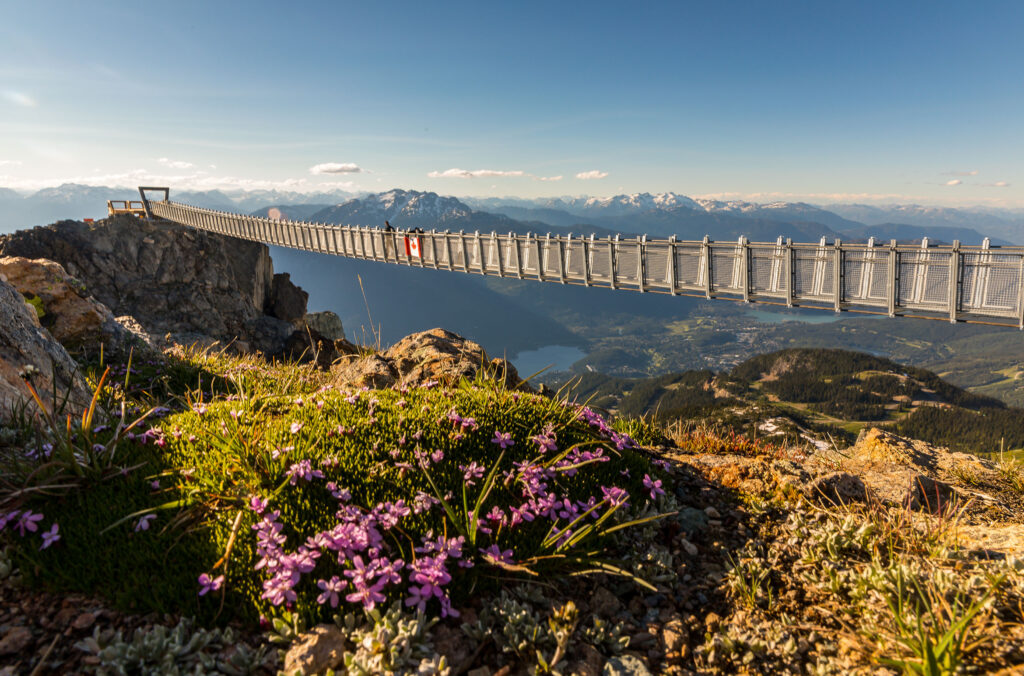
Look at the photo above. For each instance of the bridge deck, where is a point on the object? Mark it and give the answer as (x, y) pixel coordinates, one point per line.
(956, 283)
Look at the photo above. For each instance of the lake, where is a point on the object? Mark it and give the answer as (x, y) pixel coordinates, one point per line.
(806, 316)
(558, 357)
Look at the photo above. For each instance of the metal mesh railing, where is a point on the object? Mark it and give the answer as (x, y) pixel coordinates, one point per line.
(961, 283)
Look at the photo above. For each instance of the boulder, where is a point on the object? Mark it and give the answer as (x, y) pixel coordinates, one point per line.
(307, 345)
(327, 324)
(909, 472)
(370, 371)
(287, 302)
(436, 355)
(315, 651)
(837, 488)
(445, 357)
(931, 495)
(27, 349)
(74, 318)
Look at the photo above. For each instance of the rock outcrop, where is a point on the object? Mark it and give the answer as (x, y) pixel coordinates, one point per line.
(435, 355)
(72, 317)
(327, 324)
(286, 301)
(193, 285)
(28, 350)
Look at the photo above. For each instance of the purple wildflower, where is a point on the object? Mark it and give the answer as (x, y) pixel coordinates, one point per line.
(496, 555)
(423, 502)
(143, 522)
(303, 469)
(471, 471)
(295, 428)
(330, 590)
(614, 495)
(654, 485)
(208, 584)
(27, 522)
(257, 504)
(50, 536)
(503, 439)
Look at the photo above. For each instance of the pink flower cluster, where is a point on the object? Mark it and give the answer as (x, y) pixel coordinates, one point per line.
(355, 547)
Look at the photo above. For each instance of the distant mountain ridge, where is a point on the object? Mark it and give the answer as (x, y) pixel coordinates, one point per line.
(77, 201)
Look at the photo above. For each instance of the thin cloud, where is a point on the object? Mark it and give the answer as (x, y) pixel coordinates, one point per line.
(197, 181)
(549, 178)
(591, 175)
(955, 181)
(175, 164)
(998, 184)
(479, 173)
(817, 196)
(10, 163)
(20, 99)
(337, 168)
(961, 173)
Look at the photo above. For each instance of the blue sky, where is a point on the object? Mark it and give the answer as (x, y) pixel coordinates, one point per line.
(821, 101)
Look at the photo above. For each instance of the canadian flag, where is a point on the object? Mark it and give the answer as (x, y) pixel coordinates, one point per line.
(412, 247)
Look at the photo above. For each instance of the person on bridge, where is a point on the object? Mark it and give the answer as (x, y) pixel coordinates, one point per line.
(389, 240)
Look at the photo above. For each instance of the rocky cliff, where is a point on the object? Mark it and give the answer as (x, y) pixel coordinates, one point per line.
(173, 280)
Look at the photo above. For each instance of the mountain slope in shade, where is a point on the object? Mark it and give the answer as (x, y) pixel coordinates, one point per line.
(790, 212)
(913, 233)
(1006, 224)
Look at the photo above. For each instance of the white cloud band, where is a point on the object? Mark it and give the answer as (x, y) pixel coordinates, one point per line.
(479, 173)
(175, 164)
(336, 168)
(591, 175)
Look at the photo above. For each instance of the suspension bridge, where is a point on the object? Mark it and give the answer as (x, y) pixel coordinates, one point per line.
(975, 284)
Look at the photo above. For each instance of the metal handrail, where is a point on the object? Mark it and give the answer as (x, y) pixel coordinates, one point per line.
(977, 284)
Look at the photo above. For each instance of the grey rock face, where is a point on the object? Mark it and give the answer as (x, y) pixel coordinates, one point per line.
(327, 324)
(170, 278)
(287, 302)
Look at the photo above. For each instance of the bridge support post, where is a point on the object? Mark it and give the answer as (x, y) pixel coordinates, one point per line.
(954, 281)
(540, 257)
(517, 248)
(744, 253)
(588, 251)
(790, 272)
(1020, 294)
(837, 276)
(671, 265)
(641, 269)
(705, 259)
(480, 252)
(561, 257)
(893, 286)
(496, 243)
(612, 246)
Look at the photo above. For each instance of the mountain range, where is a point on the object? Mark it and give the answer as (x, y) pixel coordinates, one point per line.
(659, 215)
(656, 214)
